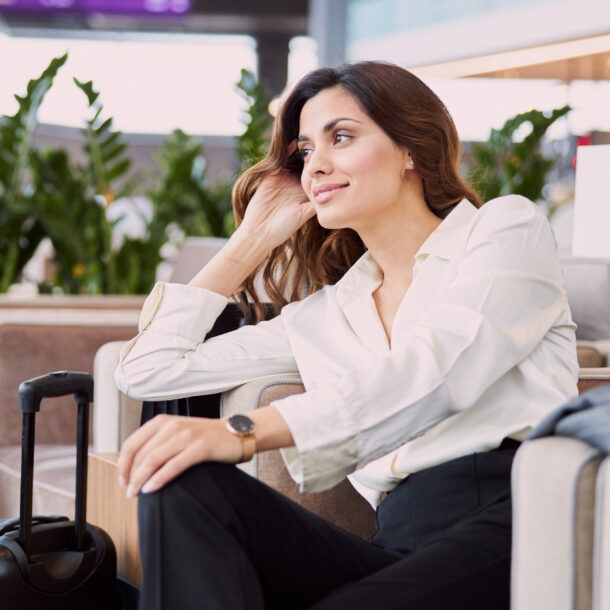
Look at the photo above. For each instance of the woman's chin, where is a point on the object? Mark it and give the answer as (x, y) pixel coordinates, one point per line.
(331, 222)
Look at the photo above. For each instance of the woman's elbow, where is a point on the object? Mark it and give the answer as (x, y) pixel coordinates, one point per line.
(137, 384)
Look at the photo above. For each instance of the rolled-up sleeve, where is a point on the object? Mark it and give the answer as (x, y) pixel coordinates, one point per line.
(170, 359)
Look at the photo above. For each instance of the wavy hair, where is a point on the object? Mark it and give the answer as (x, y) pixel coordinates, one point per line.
(413, 117)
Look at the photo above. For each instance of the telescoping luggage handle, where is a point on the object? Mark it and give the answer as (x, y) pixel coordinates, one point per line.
(31, 393)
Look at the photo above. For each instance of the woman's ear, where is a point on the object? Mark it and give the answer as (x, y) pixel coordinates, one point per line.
(408, 166)
(410, 162)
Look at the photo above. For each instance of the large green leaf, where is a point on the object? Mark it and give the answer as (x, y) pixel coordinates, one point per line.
(103, 145)
(504, 165)
(20, 232)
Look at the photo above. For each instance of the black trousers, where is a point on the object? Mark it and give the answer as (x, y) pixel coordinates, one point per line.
(217, 539)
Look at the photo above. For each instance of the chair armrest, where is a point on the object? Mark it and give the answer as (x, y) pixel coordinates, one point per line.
(553, 484)
(341, 505)
(115, 415)
(253, 395)
(601, 555)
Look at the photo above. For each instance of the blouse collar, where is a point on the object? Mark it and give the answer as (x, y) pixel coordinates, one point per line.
(364, 276)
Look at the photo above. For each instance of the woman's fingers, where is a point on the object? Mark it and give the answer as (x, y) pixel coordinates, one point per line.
(133, 444)
(160, 448)
(167, 445)
(279, 207)
(170, 469)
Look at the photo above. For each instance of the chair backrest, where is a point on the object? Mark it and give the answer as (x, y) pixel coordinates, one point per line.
(193, 255)
(590, 378)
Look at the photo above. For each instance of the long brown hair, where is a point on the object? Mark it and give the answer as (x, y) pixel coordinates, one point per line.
(411, 114)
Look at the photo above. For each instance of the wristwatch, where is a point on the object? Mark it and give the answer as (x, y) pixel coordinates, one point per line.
(243, 426)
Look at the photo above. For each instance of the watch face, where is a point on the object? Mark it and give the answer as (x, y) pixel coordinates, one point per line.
(241, 424)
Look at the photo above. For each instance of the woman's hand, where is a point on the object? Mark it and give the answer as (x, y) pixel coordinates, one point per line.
(279, 207)
(167, 445)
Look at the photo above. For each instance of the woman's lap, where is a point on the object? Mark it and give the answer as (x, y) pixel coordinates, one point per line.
(295, 555)
(285, 557)
(466, 567)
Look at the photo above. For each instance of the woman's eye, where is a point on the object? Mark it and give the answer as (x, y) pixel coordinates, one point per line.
(305, 151)
(341, 137)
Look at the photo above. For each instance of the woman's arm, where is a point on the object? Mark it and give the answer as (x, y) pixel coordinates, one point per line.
(167, 445)
(168, 358)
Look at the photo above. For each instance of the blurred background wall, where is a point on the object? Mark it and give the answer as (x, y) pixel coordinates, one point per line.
(164, 64)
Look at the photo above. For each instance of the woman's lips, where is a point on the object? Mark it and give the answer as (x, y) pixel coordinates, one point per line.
(325, 192)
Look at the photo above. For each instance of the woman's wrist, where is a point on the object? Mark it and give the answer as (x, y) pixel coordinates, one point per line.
(239, 257)
(255, 246)
(272, 432)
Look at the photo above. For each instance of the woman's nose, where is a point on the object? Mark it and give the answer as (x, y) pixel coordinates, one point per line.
(319, 161)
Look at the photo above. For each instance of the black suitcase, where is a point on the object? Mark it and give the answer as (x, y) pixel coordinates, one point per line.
(51, 563)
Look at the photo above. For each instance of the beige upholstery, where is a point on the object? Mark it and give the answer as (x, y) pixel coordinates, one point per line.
(601, 550)
(553, 507)
(587, 283)
(593, 354)
(121, 414)
(561, 515)
(341, 505)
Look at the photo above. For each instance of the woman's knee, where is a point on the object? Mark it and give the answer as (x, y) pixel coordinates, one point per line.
(198, 489)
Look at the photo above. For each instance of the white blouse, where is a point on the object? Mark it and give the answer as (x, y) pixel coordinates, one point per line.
(483, 347)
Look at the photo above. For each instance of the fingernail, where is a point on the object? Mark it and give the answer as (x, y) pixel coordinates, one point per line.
(122, 481)
(148, 486)
(131, 492)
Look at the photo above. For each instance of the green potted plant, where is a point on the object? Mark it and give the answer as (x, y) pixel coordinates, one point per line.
(504, 165)
(72, 205)
(20, 229)
(45, 193)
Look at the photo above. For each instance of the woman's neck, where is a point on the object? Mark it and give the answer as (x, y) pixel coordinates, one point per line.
(394, 251)
(394, 247)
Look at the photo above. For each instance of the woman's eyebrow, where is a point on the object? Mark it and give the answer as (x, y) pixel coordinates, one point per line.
(328, 127)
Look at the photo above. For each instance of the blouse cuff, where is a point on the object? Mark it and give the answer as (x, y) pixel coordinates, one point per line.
(325, 451)
(169, 308)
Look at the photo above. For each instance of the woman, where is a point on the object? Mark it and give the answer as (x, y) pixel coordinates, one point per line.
(436, 333)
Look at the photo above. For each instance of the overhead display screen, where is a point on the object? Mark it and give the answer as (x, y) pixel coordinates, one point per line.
(125, 7)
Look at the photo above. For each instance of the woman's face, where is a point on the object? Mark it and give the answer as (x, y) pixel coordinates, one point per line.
(353, 172)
